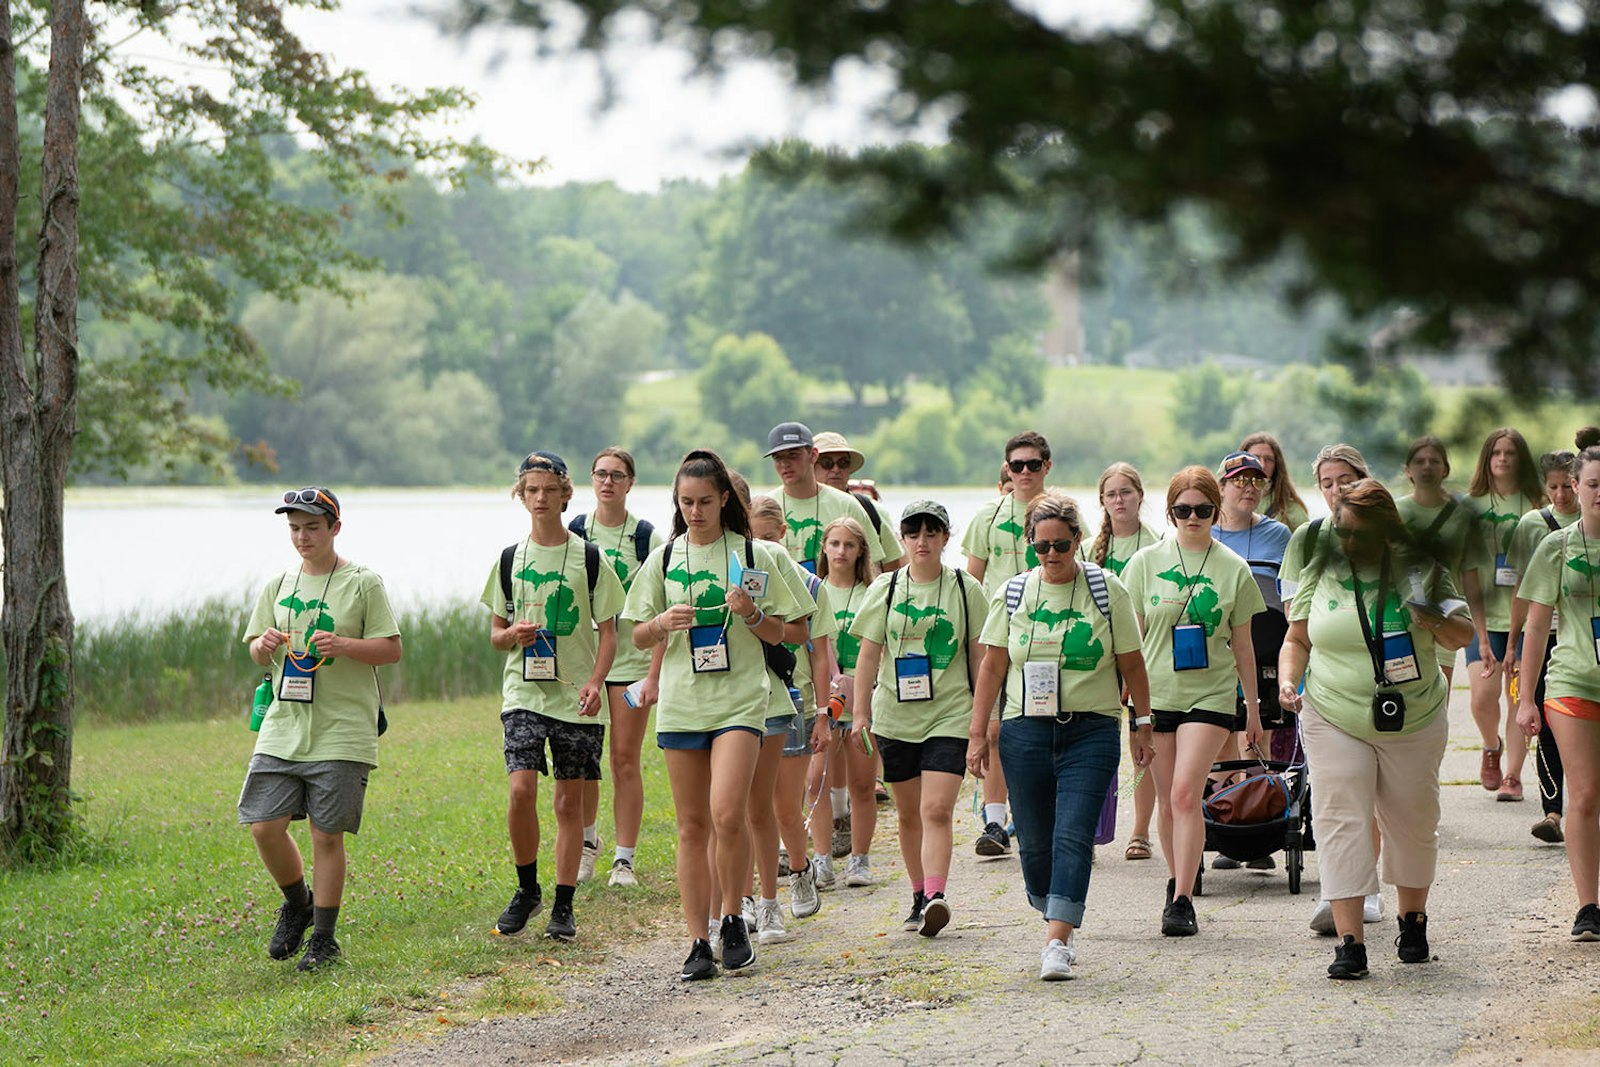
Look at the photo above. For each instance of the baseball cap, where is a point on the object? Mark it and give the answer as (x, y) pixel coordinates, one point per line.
(538, 460)
(828, 441)
(926, 507)
(1237, 463)
(313, 500)
(788, 435)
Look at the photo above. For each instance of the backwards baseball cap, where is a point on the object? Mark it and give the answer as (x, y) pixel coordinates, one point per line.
(1237, 463)
(828, 441)
(542, 461)
(787, 435)
(926, 507)
(313, 500)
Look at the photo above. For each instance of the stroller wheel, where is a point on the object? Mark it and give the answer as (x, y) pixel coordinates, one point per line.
(1199, 875)
(1294, 860)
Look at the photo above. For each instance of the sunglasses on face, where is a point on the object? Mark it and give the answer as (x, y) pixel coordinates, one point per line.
(1044, 548)
(609, 476)
(1019, 465)
(311, 496)
(1248, 481)
(1199, 511)
(829, 463)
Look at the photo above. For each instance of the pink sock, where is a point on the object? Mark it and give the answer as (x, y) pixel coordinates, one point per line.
(935, 885)
(917, 887)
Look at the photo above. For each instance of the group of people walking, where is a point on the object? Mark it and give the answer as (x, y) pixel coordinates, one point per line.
(802, 649)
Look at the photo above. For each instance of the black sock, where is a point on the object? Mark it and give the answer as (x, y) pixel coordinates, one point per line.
(564, 894)
(323, 919)
(528, 875)
(297, 895)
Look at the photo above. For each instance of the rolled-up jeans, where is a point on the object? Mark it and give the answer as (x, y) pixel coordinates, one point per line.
(1058, 773)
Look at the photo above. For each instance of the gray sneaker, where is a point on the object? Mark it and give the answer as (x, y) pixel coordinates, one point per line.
(769, 924)
(804, 901)
(858, 872)
(1055, 962)
(824, 867)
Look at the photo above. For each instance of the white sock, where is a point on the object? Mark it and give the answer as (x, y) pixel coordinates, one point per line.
(841, 800)
(591, 834)
(769, 902)
(994, 813)
(625, 853)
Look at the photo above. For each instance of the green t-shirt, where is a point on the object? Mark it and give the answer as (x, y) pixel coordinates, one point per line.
(549, 587)
(998, 536)
(1562, 575)
(1497, 518)
(1062, 622)
(698, 575)
(1122, 548)
(930, 619)
(1450, 543)
(821, 627)
(1339, 682)
(804, 521)
(1529, 535)
(617, 545)
(844, 605)
(342, 722)
(1213, 588)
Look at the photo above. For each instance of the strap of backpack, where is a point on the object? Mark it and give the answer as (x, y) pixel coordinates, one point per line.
(1549, 518)
(591, 570)
(507, 557)
(1014, 589)
(1440, 519)
(813, 584)
(872, 512)
(642, 532)
(966, 623)
(888, 601)
(1097, 588)
(1308, 546)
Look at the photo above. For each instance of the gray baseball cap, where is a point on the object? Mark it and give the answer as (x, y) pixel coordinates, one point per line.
(787, 435)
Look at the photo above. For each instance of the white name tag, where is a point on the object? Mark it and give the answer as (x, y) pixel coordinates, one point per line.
(1041, 688)
(1400, 658)
(913, 679)
(1505, 575)
(539, 658)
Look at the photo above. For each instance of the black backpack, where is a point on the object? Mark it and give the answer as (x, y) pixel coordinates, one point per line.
(641, 534)
(591, 568)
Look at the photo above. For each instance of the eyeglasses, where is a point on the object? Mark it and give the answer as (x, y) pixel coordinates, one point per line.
(1044, 548)
(1019, 465)
(311, 496)
(828, 463)
(1247, 481)
(1117, 494)
(1199, 511)
(610, 476)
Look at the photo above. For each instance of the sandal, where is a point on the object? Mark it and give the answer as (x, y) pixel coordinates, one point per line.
(1138, 848)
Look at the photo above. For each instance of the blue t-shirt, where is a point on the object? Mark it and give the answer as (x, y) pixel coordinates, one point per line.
(1262, 547)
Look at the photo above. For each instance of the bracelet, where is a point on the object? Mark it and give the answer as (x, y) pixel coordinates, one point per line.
(661, 631)
(1141, 721)
(761, 617)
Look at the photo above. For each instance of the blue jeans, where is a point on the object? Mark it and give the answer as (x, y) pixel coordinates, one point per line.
(1058, 774)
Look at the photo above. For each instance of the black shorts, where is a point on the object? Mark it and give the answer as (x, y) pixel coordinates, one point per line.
(575, 747)
(1167, 722)
(905, 760)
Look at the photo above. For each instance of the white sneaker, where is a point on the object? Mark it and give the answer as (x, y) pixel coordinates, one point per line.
(803, 899)
(1055, 962)
(1322, 918)
(1372, 909)
(591, 852)
(747, 912)
(714, 935)
(824, 869)
(769, 924)
(622, 873)
(858, 872)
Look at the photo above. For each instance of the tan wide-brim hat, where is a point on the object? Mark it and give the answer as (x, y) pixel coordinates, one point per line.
(828, 441)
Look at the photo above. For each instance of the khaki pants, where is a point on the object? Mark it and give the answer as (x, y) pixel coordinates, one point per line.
(1393, 776)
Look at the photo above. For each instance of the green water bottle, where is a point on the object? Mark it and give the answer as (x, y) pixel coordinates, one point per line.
(263, 701)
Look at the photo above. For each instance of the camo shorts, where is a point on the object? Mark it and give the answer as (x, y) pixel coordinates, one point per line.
(575, 747)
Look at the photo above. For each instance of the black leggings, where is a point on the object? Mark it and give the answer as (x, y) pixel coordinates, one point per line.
(1547, 760)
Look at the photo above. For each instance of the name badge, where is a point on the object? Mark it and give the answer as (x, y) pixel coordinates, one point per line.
(913, 678)
(539, 658)
(708, 648)
(299, 684)
(1400, 658)
(1189, 652)
(1505, 575)
(1041, 688)
(1594, 631)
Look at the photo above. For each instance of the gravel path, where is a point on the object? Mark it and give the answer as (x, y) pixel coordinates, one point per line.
(1504, 986)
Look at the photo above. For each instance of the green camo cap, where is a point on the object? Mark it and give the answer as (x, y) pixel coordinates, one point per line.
(926, 507)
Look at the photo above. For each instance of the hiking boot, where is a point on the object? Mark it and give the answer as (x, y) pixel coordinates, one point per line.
(803, 899)
(290, 931)
(1349, 959)
(622, 873)
(320, 951)
(737, 951)
(994, 842)
(858, 872)
(1489, 767)
(913, 921)
(1510, 789)
(1587, 925)
(1055, 962)
(563, 926)
(841, 836)
(701, 964)
(1178, 918)
(591, 852)
(1413, 940)
(769, 924)
(525, 903)
(1548, 829)
(935, 916)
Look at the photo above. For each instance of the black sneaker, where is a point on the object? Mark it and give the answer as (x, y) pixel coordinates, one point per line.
(935, 916)
(737, 950)
(1349, 959)
(525, 903)
(1224, 863)
(1413, 939)
(701, 964)
(1178, 919)
(914, 920)
(562, 925)
(1587, 925)
(994, 841)
(321, 951)
(290, 931)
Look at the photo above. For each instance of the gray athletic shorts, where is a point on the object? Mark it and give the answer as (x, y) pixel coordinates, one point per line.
(330, 792)
(575, 747)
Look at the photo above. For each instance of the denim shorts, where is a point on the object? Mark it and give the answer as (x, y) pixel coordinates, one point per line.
(1497, 644)
(697, 739)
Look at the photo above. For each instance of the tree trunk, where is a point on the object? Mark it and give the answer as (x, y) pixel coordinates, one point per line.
(38, 416)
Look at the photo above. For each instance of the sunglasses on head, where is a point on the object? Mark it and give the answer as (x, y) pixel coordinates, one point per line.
(1019, 465)
(311, 496)
(829, 463)
(1199, 511)
(1044, 548)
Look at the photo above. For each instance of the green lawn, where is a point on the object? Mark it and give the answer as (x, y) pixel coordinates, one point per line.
(157, 952)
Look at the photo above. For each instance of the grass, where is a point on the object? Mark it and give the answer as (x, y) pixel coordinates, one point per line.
(156, 952)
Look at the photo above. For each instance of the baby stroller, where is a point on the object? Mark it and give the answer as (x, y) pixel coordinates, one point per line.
(1290, 831)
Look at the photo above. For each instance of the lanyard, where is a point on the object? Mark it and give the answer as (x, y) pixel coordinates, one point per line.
(938, 598)
(1188, 593)
(1374, 647)
(1588, 567)
(1072, 600)
(294, 598)
(688, 561)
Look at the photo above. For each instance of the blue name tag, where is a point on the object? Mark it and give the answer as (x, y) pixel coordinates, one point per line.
(1189, 652)
(299, 684)
(539, 658)
(1505, 575)
(1400, 658)
(913, 678)
(708, 649)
